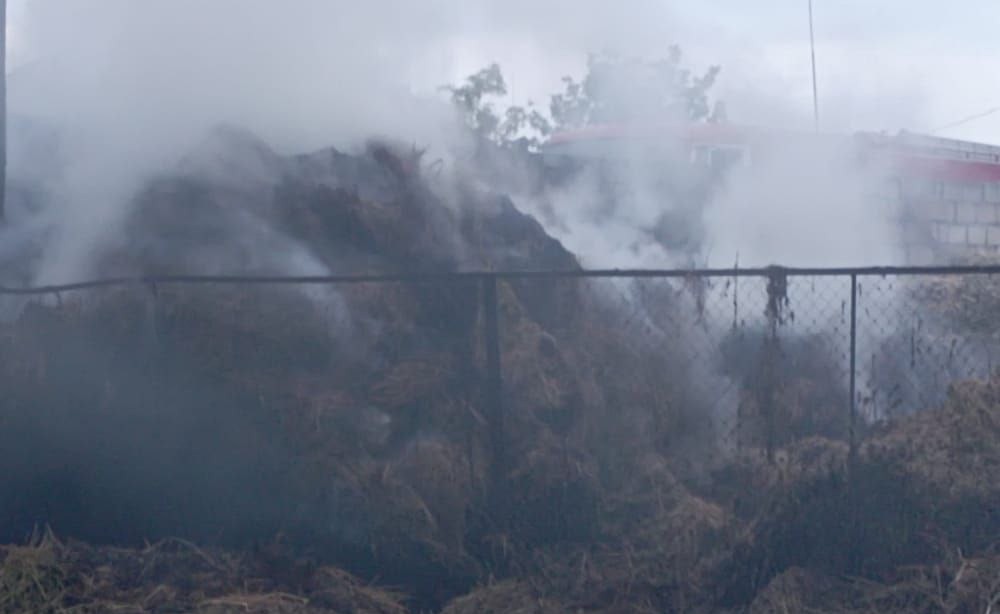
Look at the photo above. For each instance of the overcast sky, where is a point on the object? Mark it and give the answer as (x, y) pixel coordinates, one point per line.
(883, 64)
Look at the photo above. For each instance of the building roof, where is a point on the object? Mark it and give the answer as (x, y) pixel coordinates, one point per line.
(911, 154)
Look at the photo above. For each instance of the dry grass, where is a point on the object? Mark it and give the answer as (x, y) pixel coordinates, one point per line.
(956, 449)
(509, 597)
(48, 576)
(955, 586)
(33, 577)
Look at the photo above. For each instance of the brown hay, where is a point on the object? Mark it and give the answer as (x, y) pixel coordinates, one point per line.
(969, 301)
(509, 597)
(47, 576)
(32, 577)
(954, 450)
(412, 381)
(278, 603)
(799, 591)
(338, 590)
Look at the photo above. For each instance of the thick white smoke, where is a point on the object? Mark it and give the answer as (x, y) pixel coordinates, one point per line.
(131, 85)
(805, 203)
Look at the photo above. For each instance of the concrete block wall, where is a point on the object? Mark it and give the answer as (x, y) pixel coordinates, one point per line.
(958, 217)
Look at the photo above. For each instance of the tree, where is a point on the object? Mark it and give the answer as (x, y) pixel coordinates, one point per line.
(613, 90)
(649, 92)
(617, 89)
(475, 100)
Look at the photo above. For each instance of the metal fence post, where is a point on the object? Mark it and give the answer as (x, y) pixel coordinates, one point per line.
(854, 532)
(494, 402)
(852, 432)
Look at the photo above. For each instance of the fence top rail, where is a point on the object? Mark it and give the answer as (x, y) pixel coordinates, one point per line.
(445, 276)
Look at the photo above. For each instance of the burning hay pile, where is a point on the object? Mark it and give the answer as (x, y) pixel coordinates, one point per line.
(903, 534)
(356, 421)
(49, 576)
(968, 301)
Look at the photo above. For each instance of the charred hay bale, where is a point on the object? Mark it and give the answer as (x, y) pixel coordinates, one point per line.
(413, 515)
(239, 329)
(225, 333)
(867, 527)
(33, 578)
(110, 437)
(654, 549)
(509, 597)
(668, 559)
(660, 564)
(924, 486)
(413, 509)
(218, 330)
(431, 395)
(555, 496)
(446, 480)
(803, 591)
(403, 319)
(803, 512)
(943, 464)
(925, 588)
(383, 308)
(650, 492)
(639, 386)
(256, 604)
(336, 590)
(789, 387)
(542, 386)
(969, 302)
(413, 381)
(638, 402)
(175, 575)
(751, 481)
(427, 327)
(496, 225)
(407, 228)
(423, 231)
(505, 239)
(337, 221)
(954, 584)
(953, 451)
(322, 417)
(973, 584)
(29, 343)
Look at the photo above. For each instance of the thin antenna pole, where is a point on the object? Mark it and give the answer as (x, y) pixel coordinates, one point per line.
(3, 106)
(812, 49)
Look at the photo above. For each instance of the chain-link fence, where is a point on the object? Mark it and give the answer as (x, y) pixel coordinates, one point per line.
(777, 355)
(486, 370)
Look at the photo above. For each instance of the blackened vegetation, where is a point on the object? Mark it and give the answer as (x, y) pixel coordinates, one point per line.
(792, 381)
(350, 419)
(49, 576)
(322, 429)
(916, 501)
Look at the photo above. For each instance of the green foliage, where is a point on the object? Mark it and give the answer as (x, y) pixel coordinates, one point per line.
(617, 89)
(475, 100)
(613, 90)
